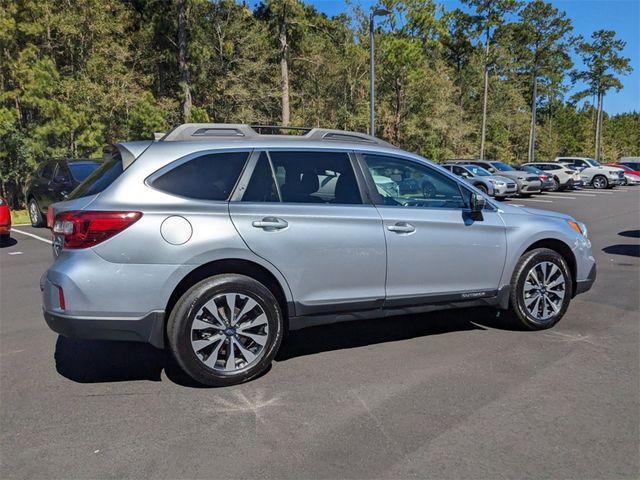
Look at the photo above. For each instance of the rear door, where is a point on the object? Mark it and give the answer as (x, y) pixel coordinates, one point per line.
(435, 251)
(303, 211)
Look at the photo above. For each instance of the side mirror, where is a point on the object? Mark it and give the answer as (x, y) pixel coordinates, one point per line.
(477, 205)
(465, 174)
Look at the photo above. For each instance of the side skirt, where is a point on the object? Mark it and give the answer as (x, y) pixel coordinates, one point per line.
(498, 299)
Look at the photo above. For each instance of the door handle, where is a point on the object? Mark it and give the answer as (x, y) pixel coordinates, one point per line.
(401, 227)
(271, 223)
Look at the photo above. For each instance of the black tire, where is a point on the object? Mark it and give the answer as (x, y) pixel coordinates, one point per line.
(35, 215)
(183, 314)
(517, 307)
(600, 182)
(482, 188)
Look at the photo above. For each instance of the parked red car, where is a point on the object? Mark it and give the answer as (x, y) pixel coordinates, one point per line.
(631, 176)
(5, 221)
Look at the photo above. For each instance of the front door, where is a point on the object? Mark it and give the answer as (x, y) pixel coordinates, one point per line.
(302, 211)
(435, 251)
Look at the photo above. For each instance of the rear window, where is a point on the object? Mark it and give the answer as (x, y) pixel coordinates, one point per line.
(207, 177)
(80, 171)
(99, 179)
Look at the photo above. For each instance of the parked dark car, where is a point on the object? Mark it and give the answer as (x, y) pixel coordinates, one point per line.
(548, 183)
(53, 181)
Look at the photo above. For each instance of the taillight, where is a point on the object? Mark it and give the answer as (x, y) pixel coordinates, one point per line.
(543, 177)
(83, 229)
(49, 217)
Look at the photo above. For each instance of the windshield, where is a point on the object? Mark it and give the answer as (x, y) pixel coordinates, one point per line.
(100, 179)
(478, 171)
(592, 162)
(503, 166)
(81, 170)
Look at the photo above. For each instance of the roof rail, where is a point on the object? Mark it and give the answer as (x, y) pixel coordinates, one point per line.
(212, 131)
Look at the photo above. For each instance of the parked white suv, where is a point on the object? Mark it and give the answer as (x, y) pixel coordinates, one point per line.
(564, 177)
(594, 174)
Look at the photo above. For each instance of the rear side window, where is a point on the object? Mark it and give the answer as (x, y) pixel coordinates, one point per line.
(47, 171)
(100, 179)
(80, 171)
(303, 177)
(207, 177)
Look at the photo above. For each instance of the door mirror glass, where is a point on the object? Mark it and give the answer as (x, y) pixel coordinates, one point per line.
(477, 204)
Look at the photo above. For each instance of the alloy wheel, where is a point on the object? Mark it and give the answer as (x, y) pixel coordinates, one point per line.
(544, 291)
(33, 212)
(229, 332)
(599, 182)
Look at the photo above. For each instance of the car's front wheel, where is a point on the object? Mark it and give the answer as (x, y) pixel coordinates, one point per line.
(225, 330)
(600, 182)
(541, 289)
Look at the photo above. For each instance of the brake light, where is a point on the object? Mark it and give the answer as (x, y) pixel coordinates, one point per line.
(84, 229)
(543, 177)
(49, 217)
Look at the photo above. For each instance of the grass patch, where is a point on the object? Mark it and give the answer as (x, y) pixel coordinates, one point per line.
(20, 216)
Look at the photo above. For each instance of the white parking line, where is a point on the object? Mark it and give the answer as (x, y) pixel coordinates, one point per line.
(563, 197)
(584, 194)
(535, 200)
(42, 239)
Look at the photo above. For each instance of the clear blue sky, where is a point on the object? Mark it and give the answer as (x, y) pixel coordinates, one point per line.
(621, 16)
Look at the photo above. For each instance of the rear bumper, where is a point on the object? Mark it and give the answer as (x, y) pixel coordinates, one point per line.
(148, 329)
(586, 284)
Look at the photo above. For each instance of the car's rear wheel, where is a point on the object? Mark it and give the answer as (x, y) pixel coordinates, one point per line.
(541, 289)
(225, 330)
(35, 215)
(600, 182)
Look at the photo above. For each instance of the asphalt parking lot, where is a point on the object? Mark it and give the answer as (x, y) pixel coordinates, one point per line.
(444, 395)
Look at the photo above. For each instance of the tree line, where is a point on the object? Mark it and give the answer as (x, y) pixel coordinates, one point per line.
(488, 80)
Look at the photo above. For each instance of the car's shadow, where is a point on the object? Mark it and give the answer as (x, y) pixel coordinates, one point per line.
(9, 242)
(630, 233)
(96, 361)
(623, 249)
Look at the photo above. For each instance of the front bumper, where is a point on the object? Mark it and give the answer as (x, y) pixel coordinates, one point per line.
(586, 284)
(530, 187)
(508, 190)
(148, 329)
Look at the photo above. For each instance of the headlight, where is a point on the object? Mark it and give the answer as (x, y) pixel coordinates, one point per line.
(498, 183)
(613, 172)
(579, 227)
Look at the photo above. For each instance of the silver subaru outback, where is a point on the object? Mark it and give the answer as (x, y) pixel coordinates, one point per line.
(216, 240)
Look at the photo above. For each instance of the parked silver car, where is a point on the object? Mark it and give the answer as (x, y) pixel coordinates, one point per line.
(216, 240)
(493, 185)
(527, 183)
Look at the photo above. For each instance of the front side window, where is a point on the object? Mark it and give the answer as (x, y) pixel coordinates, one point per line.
(414, 184)
(210, 176)
(303, 177)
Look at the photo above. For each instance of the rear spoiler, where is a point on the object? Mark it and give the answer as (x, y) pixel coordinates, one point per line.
(128, 151)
